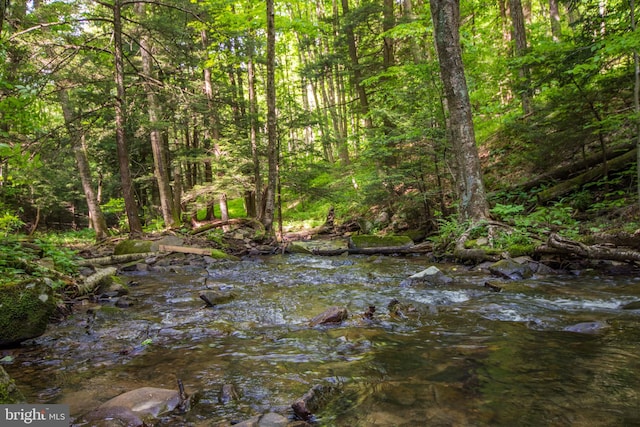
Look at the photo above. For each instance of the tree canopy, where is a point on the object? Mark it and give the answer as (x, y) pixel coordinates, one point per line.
(162, 112)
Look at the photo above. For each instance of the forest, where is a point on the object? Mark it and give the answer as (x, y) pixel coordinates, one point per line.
(153, 115)
(480, 160)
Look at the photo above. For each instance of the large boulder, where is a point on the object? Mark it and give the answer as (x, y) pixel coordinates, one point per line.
(134, 408)
(25, 310)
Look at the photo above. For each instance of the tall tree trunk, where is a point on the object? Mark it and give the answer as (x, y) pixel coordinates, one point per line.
(388, 22)
(636, 93)
(98, 222)
(135, 227)
(355, 68)
(160, 155)
(272, 143)
(554, 16)
(212, 130)
(473, 205)
(520, 37)
(253, 133)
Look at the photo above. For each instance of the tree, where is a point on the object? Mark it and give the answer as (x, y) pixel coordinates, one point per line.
(135, 226)
(272, 137)
(472, 200)
(160, 155)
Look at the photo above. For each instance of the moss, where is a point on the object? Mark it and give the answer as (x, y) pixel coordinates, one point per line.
(218, 254)
(25, 309)
(521, 250)
(9, 393)
(371, 241)
(132, 247)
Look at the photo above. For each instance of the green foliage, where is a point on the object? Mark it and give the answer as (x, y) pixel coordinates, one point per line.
(449, 230)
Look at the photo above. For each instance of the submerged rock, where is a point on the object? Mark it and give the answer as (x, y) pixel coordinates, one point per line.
(634, 305)
(332, 315)
(511, 269)
(213, 298)
(587, 327)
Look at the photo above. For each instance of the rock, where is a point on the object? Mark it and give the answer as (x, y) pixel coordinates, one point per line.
(270, 419)
(25, 309)
(587, 327)
(115, 416)
(332, 315)
(311, 401)
(9, 393)
(362, 241)
(146, 401)
(213, 298)
(124, 302)
(132, 247)
(431, 276)
(228, 393)
(634, 305)
(166, 241)
(511, 269)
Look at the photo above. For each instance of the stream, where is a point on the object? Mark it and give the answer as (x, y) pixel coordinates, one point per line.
(456, 355)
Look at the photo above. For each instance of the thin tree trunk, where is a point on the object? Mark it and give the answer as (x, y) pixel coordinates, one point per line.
(160, 155)
(253, 133)
(355, 68)
(554, 16)
(272, 144)
(98, 222)
(520, 37)
(636, 93)
(135, 226)
(473, 205)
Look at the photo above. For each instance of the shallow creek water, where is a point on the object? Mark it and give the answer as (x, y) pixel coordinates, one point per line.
(462, 355)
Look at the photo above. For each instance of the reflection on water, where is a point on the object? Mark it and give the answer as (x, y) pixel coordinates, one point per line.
(460, 355)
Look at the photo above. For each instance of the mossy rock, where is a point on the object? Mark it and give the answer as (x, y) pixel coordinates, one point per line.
(25, 309)
(126, 247)
(220, 254)
(9, 393)
(370, 241)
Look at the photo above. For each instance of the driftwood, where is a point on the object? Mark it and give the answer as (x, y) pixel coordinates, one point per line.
(116, 259)
(383, 250)
(185, 250)
(93, 282)
(565, 187)
(597, 251)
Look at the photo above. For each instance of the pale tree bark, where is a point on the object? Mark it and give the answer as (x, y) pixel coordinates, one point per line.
(473, 205)
(97, 220)
(272, 143)
(135, 226)
(554, 16)
(160, 155)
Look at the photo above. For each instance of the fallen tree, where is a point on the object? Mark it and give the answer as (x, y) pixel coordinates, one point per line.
(591, 175)
(561, 245)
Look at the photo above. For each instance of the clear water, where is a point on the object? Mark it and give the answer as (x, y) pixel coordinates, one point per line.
(459, 355)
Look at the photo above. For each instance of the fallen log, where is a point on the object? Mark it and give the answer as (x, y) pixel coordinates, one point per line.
(569, 185)
(566, 171)
(116, 259)
(592, 251)
(185, 250)
(384, 250)
(235, 221)
(93, 282)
